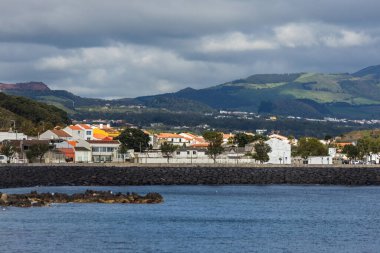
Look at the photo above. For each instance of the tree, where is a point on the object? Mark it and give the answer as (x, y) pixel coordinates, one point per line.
(37, 150)
(308, 146)
(351, 151)
(167, 149)
(242, 139)
(215, 140)
(8, 150)
(261, 151)
(123, 150)
(135, 139)
(364, 146)
(259, 137)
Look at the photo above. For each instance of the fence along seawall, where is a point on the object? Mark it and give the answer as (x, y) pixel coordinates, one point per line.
(28, 176)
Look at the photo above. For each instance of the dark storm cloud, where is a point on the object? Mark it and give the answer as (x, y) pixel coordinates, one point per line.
(130, 48)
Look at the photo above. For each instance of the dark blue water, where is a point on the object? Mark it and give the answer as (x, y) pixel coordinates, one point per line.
(202, 219)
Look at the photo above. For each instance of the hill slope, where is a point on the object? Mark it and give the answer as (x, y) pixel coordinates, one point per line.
(31, 117)
(341, 95)
(301, 94)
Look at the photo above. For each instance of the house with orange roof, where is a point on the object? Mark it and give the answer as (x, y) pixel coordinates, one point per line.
(100, 134)
(56, 134)
(174, 139)
(195, 139)
(80, 131)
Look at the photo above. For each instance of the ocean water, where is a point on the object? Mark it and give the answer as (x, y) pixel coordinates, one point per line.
(202, 219)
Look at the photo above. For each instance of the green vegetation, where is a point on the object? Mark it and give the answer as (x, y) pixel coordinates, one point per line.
(37, 151)
(8, 150)
(351, 151)
(167, 149)
(215, 140)
(261, 151)
(242, 139)
(308, 146)
(29, 116)
(132, 138)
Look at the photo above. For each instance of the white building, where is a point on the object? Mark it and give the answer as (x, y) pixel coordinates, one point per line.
(82, 155)
(174, 139)
(12, 136)
(80, 131)
(55, 135)
(319, 160)
(191, 156)
(281, 151)
(104, 151)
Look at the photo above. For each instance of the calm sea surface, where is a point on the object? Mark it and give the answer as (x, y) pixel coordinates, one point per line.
(202, 219)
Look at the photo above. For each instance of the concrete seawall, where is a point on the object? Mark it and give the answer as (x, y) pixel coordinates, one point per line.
(27, 176)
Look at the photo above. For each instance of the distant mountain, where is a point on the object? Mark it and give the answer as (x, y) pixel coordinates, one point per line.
(354, 95)
(32, 86)
(371, 72)
(343, 95)
(68, 101)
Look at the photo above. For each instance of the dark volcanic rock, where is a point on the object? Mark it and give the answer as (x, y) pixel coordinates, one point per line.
(29, 176)
(43, 199)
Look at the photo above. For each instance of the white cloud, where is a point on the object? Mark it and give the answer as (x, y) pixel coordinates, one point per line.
(236, 41)
(347, 39)
(319, 34)
(291, 35)
(295, 35)
(167, 45)
(126, 70)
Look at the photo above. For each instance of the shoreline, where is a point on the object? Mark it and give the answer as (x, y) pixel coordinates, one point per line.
(15, 176)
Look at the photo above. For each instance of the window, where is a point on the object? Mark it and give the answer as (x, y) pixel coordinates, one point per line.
(194, 152)
(88, 132)
(188, 152)
(109, 149)
(178, 153)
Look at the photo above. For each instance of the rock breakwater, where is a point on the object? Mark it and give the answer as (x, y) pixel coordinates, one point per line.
(34, 199)
(28, 176)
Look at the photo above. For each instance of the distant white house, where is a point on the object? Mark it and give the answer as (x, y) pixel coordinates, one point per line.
(189, 155)
(104, 151)
(174, 139)
(82, 155)
(319, 160)
(281, 151)
(12, 136)
(80, 131)
(55, 134)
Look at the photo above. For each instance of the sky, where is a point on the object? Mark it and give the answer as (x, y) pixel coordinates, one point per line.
(118, 48)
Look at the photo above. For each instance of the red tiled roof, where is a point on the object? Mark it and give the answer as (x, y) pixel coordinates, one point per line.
(72, 143)
(168, 135)
(200, 145)
(61, 133)
(68, 152)
(75, 128)
(84, 126)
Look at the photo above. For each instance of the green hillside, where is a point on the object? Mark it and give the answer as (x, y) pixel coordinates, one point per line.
(300, 94)
(343, 95)
(30, 116)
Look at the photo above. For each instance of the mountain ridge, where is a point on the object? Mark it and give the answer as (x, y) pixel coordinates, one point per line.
(346, 95)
